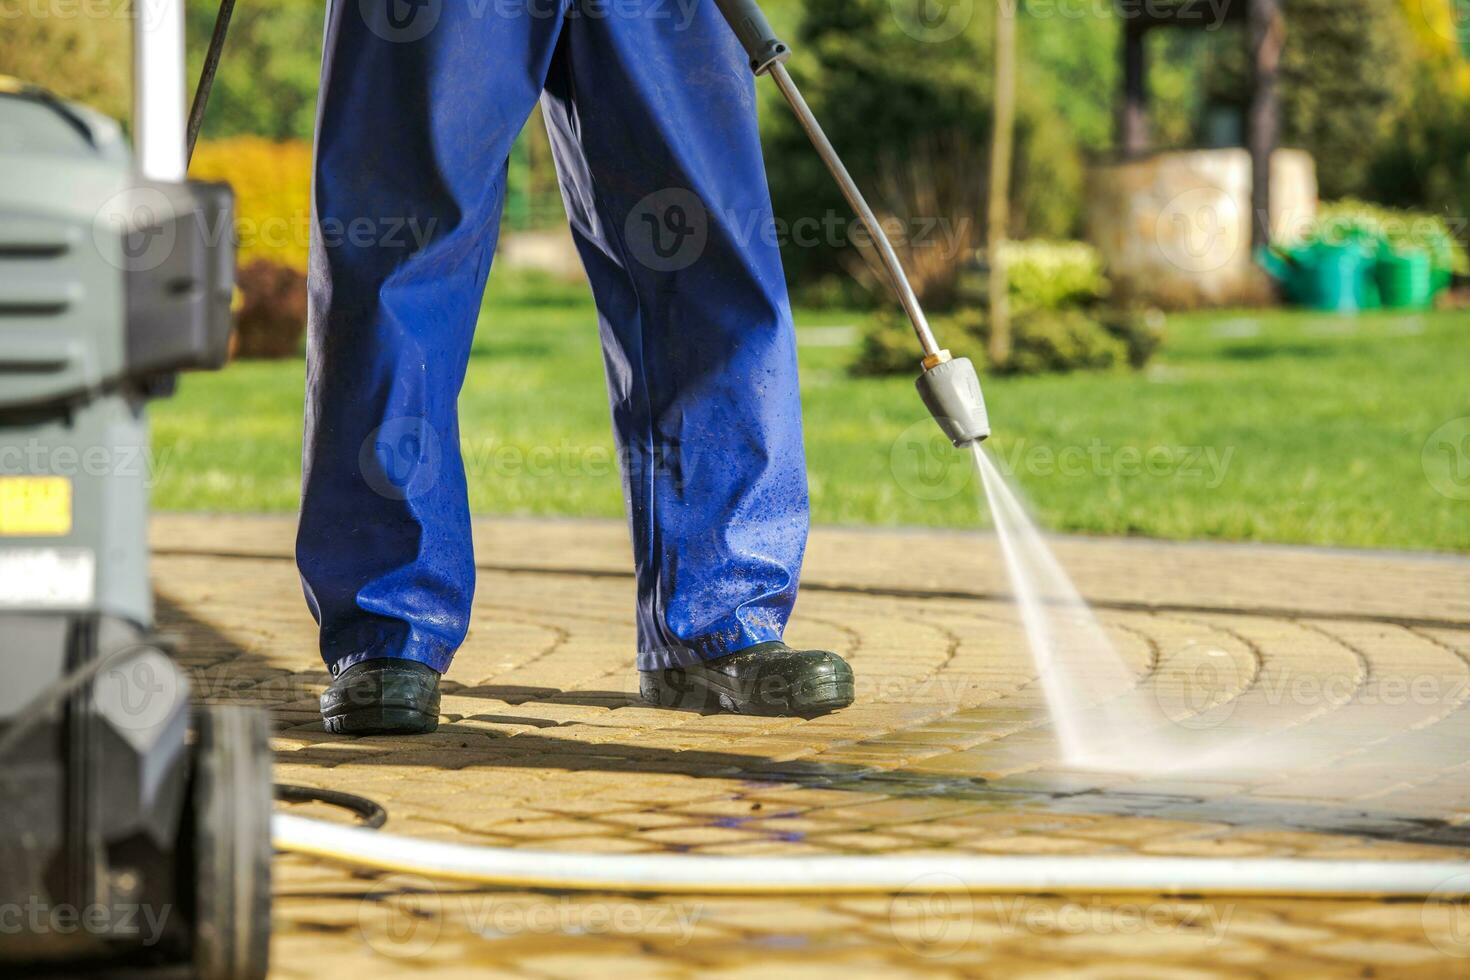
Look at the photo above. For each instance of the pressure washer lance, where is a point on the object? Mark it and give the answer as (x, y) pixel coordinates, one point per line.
(949, 385)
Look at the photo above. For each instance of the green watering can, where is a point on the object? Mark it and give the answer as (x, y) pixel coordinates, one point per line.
(1406, 279)
(1320, 276)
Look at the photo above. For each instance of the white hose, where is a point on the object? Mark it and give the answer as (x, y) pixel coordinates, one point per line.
(693, 874)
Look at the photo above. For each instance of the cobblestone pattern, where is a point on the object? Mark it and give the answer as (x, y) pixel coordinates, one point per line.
(543, 744)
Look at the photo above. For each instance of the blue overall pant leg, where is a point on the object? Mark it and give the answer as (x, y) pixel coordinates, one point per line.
(651, 110)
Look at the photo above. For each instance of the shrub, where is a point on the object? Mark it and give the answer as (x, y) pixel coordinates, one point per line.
(1043, 341)
(1061, 320)
(888, 344)
(1052, 275)
(272, 182)
(1058, 341)
(1350, 220)
(1140, 329)
(272, 314)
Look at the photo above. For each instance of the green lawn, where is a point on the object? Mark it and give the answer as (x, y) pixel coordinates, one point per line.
(1266, 426)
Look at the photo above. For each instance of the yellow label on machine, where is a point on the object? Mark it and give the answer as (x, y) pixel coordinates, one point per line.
(35, 506)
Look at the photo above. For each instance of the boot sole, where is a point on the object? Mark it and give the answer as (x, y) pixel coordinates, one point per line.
(384, 720)
(675, 687)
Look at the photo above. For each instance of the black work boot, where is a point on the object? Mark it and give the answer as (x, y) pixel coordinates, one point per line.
(382, 697)
(766, 679)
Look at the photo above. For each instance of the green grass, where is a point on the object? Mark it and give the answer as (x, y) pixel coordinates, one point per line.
(1266, 426)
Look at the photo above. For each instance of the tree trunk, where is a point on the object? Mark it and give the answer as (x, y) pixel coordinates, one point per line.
(1001, 143)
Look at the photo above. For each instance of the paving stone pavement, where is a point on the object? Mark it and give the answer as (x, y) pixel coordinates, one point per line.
(1362, 657)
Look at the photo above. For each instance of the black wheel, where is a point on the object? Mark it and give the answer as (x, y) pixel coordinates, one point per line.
(231, 843)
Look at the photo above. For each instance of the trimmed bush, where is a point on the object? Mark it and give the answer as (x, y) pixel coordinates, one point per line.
(1043, 341)
(1054, 275)
(1058, 341)
(1061, 320)
(272, 314)
(1349, 220)
(272, 183)
(889, 347)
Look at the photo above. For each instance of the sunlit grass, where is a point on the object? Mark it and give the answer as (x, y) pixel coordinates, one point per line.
(1273, 426)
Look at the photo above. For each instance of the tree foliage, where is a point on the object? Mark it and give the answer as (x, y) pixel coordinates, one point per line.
(267, 79)
(81, 51)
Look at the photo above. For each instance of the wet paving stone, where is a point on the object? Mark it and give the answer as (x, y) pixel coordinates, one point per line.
(949, 750)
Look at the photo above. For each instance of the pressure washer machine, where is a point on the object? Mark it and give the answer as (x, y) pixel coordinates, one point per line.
(134, 831)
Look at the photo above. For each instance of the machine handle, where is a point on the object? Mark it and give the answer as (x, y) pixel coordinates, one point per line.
(749, 23)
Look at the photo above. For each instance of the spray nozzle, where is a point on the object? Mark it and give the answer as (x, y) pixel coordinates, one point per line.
(950, 389)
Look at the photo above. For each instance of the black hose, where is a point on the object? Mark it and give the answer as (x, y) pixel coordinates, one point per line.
(373, 815)
(207, 73)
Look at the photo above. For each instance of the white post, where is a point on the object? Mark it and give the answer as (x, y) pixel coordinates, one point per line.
(158, 89)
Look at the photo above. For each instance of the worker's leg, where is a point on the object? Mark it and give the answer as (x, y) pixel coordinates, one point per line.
(652, 113)
(418, 109)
